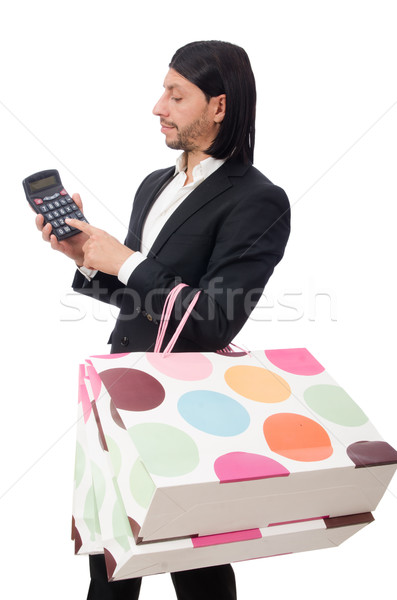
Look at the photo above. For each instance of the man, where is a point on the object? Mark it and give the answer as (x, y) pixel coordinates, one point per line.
(214, 223)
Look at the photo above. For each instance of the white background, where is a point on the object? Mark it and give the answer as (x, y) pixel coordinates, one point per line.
(77, 85)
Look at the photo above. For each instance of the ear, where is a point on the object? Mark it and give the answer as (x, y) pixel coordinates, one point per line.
(219, 107)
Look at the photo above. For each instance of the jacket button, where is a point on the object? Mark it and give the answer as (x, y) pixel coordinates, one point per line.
(149, 317)
(125, 341)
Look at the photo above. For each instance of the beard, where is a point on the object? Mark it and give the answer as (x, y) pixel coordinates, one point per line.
(188, 137)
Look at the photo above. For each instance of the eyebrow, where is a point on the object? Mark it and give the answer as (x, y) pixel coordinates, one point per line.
(173, 87)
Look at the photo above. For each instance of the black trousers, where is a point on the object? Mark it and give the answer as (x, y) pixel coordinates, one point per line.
(211, 583)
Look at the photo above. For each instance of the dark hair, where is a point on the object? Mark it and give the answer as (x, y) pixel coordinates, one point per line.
(223, 68)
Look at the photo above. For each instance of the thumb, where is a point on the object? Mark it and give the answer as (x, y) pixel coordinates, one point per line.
(77, 200)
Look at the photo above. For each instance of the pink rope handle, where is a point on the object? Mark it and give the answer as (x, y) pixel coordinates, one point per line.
(178, 330)
(165, 318)
(229, 350)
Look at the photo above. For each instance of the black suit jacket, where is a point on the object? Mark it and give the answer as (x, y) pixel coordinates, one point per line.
(224, 239)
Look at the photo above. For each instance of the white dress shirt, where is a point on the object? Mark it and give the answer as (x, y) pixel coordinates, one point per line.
(171, 197)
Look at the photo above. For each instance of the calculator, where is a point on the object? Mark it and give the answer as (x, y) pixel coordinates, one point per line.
(47, 196)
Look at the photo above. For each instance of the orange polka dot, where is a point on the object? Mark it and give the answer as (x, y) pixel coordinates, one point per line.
(257, 383)
(297, 437)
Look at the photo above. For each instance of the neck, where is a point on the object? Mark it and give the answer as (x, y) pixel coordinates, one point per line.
(193, 158)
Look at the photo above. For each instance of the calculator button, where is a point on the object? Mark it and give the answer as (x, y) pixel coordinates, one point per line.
(63, 193)
(61, 221)
(50, 205)
(50, 216)
(68, 199)
(57, 204)
(79, 214)
(74, 207)
(38, 201)
(63, 201)
(67, 228)
(43, 208)
(62, 211)
(56, 213)
(55, 223)
(52, 197)
(68, 210)
(60, 231)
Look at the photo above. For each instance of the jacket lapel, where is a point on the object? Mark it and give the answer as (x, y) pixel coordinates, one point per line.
(142, 205)
(209, 189)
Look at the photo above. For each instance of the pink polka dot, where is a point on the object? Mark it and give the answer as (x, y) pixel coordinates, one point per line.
(83, 394)
(95, 381)
(298, 361)
(201, 541)
(244, 466)
(187, 366)
(110, 356)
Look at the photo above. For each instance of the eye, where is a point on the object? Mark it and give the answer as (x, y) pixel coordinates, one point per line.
(175, 99)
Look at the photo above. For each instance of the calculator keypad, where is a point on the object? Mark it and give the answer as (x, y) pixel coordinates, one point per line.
(56, 208)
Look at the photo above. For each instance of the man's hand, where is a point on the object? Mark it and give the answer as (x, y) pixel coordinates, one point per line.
(101, 250)
(71, 247)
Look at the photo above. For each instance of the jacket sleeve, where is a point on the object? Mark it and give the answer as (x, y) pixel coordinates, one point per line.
(106, 288)
(249, 244)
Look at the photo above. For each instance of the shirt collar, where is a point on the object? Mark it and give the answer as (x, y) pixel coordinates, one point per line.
(201, 171)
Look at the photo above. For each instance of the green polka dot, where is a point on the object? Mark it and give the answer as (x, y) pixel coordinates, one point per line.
(334, 404)
(99, 485)
(115, 454)
(79, 465)
(165, 450)
(141, 484)
(121, 527)
(120, 524)
(90, 514)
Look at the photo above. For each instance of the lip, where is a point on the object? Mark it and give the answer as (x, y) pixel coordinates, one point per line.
(166, 128)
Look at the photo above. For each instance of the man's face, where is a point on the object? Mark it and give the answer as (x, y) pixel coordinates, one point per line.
(188, 121)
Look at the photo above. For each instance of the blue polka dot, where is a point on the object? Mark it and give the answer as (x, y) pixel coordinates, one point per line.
(213, 413)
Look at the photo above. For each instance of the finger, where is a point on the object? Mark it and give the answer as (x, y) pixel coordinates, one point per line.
(86, 246)
(77, 200)
(82, 226)
(39, 222)
(46, 232)
(55, 245)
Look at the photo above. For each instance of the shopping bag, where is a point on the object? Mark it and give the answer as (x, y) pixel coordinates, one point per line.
(126, 558)
(197, 445)
(85, 524)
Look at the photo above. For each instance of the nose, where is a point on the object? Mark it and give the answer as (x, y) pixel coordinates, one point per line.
(160, 108)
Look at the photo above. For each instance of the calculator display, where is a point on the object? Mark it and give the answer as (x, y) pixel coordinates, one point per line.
(41, 184)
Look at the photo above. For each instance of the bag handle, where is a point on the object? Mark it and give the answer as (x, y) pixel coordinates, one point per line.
(228, 350)
(165, 318)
